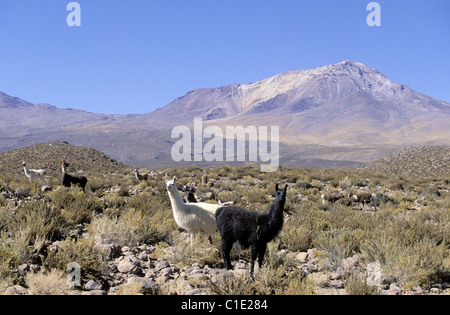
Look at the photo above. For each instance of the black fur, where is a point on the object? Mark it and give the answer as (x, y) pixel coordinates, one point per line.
(190, 194)
(250, 228)
(68, 180)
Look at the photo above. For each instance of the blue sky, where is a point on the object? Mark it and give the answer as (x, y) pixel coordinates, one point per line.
(135, 56)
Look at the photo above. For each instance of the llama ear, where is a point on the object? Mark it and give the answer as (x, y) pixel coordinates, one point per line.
(167, 178)
(175, 179)
(276, 187)
(286, 187)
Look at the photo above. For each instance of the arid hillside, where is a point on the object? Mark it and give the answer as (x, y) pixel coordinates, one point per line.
(48, 156)
(421, 161)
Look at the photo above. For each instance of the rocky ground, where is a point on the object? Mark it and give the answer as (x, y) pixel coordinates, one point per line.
(137, 270)
(149, 269)
(128, 267)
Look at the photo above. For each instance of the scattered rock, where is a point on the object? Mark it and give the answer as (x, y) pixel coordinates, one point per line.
(351, 262)
(301, 257)
(16, 290)
(417, 290)
(129, 266)
(335, 276)
(22, 269)
(96, 292)
(195, 292)
(161, 265)
(111, 251)
(93, 285)
(394, 289)
(148, 286)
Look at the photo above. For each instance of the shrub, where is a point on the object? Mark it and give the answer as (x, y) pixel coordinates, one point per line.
(50, 283)
(301, 229)
(229, 196)
(231, 283)
(256, 195)
(338, 245)
(411, 251)
(183, 254)
(356, 284)
(75, 206)
(37, 221)
(9, 256)
(82, 251)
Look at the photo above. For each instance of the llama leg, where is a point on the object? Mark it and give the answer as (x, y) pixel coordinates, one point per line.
(192, 239)
(253, 255)
(261, 254)
(237, 249)
(226, 250)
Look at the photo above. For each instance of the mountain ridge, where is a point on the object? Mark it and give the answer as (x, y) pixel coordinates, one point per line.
(340, 106)
(267, 94)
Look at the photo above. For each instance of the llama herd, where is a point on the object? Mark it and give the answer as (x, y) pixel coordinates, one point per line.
(67, 180)
(237, 226)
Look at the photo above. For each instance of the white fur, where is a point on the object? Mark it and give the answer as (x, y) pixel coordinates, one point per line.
(365, 199)
(32, 174)
(193, 217)
(331, 198)
(140, 177)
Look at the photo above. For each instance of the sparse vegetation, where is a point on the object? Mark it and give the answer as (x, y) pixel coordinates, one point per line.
(419, 162)
(121, 228)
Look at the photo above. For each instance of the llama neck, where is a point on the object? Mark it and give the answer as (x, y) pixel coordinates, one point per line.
(176, 200)
(276, 213)
(25, 168)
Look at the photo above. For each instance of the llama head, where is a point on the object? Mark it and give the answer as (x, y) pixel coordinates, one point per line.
(281, 194)
(170, 184)
(187, 188)
(24, 163)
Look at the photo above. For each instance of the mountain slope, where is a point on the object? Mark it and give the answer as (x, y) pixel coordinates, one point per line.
(346, 83)
(420, 161)
(346, 112)
(343, 104)
(19, 117)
